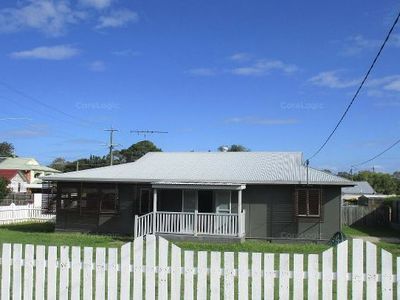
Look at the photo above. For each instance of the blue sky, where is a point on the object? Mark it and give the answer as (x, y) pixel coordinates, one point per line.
(271, 75)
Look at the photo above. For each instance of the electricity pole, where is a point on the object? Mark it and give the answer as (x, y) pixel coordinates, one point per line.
(111, 144)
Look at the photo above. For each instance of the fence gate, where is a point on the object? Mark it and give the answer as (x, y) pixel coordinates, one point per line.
(152, 268)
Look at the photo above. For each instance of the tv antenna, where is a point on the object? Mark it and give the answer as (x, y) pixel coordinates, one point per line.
(146, 132)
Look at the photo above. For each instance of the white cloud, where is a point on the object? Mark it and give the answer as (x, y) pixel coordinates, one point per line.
(385, 90)
(240, 56)
(50, 17)
(126, 52)
(29, 131)
(260, 121)
(15, 119)
(202, 72)
(358, 43)
(393, 86)
(97, 66)
(263, 67)
(98, 4)
(117, 18)
(59, 52)
(331, 79)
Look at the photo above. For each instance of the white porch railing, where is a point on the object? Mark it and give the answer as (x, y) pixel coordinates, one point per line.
(190, 223)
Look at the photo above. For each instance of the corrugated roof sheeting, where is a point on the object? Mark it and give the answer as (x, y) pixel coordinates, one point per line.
(361, 188)
(22, 163)
(235, 167)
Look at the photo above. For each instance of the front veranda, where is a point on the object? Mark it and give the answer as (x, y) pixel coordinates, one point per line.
(192, 209)
(207, 209)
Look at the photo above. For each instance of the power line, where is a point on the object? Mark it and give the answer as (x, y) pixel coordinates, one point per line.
(378, 155)
(33, 99)
(359, 88)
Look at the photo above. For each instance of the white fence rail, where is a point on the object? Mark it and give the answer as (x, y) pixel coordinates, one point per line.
(154, 269)
(189, 223)
(22, 213)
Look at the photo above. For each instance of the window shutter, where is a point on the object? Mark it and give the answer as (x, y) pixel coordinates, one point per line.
(314, 202)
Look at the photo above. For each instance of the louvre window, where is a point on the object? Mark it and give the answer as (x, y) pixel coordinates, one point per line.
(308, 203)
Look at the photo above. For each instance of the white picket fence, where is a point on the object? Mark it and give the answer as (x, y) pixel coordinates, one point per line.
(23, 213)
(152, 268)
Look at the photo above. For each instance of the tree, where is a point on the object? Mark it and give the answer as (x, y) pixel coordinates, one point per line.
(59, 164)
(345, 175)
(93, 161)
(137, 150)
(233, 148)
(4, 190)
(381, 182)
(7, 149)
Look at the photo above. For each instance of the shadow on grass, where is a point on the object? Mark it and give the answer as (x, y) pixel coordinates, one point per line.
(378, 231)
(34, 227)
(30, 227)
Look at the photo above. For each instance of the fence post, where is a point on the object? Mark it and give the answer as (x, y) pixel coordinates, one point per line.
(135, 226)
(195, 222)
(242, 223)
(12, 211)
(154, 210)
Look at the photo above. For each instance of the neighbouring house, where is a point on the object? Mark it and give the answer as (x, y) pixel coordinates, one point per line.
(17, 180)
(362, 193)
(24, 175)
(263, 195)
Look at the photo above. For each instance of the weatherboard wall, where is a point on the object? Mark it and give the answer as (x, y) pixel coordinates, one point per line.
(270, 214)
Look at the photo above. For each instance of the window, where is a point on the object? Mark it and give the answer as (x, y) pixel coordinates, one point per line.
(109, 199)
(146, 201)
(69, 197)
(308, 202)
(189, 201)
(89, 198)
(223, 202)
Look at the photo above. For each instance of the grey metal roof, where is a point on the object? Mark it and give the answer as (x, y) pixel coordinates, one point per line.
(224, 167)
(360, 188)
(23, 163)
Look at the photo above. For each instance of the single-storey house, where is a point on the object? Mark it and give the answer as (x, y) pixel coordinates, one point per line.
(17, 180)
(24, 174)
(362, 193)
(263, 195)
(360, 188)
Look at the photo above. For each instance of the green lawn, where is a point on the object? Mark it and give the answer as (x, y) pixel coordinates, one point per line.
(43, 234)
(254, 246)
(376, 231)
